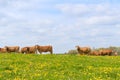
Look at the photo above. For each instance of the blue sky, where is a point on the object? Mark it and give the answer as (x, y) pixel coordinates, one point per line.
(61, 23)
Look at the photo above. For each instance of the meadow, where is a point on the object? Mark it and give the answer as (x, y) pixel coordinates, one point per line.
(58, 67)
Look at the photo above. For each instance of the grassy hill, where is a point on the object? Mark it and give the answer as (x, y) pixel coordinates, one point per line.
(58, 67)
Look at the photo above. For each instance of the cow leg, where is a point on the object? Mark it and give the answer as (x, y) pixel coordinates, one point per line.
(40, 52)
(110, 54)
(82, 53)
(51, 52)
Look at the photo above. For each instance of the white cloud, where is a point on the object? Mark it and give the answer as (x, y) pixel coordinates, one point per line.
(72, 9)
(88, 9)
(29, 22)
(104, 20)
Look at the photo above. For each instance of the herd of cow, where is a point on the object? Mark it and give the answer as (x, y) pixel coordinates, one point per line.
(37, 48)
(102, 52)
(27, 49)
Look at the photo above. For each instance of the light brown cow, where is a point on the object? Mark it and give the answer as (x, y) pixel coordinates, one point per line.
(32, 49)
(95, 53)
(24, 50)
(83, 50)
(104, 52)
(44, 49)
(3, 50)
(12, 48)
(29, 50)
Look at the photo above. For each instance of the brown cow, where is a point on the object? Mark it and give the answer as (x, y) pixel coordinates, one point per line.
(32, 49)
(24, 50)
(29, 50)
(12, 48)
(3, 50)
(83, 50)
(95, 53)
(44, 49)
(104, 52)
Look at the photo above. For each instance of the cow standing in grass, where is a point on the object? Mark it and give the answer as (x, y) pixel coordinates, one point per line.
(94, 53)
(47, 48)
(24, 50)
(32, 49)
(104, 52)
(29, 50)
(3, 50)
(12, 49)
(83, 50)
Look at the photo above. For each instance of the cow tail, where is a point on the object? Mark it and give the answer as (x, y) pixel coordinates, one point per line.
(51, 50)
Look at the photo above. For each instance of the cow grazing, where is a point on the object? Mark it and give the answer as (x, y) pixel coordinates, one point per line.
(12, 48)
(83, 50)
(104, 52)
(44, 49)
(3, 50)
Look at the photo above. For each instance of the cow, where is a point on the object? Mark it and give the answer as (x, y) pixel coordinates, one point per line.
(29, 50)
(12, 49)
(104, 52)
(3, 50)
(32, 49)
(24, 50)
(116, 54)
(47, 48)
(95, 53)
(83, 50)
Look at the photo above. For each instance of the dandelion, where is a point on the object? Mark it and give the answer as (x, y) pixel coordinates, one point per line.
(97, 78)
(36, 74)
(89, 67)
(16, 78)
(118, 74)
(0, 75)
(8, 71)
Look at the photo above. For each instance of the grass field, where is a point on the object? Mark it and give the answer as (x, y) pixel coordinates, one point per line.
(59, 67)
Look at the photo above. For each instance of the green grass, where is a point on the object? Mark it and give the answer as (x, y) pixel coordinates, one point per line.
(58, 67)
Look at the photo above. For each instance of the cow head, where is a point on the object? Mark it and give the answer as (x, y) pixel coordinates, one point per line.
(36, 46)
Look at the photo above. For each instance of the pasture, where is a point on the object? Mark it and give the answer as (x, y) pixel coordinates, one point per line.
(58, 67)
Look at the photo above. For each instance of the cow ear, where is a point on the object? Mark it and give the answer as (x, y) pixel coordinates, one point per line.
(76, 46)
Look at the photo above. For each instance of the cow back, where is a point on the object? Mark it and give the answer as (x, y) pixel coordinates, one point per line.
(3, 50)
(44, 48)
(12, 48)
